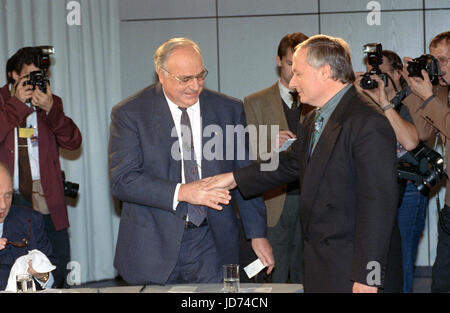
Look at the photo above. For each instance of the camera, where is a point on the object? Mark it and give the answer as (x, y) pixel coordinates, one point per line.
(428, 63)
(39, 78)
(70, 189)
(424, 166)
(375, 59)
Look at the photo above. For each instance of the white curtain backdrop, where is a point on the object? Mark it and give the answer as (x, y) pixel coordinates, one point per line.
(86, 75)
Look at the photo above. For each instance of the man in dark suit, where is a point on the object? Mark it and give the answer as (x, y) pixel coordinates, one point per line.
(33, 127)
(346, 160)
(18, 223)
(166, 234)
(278, 106)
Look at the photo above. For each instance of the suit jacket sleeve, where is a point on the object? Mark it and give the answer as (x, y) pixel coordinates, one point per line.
(67, 134)
(376, 203)
(129, 180)
(438, 113)
(254, 180)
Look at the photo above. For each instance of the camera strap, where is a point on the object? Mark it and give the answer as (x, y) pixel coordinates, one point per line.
(402, 94)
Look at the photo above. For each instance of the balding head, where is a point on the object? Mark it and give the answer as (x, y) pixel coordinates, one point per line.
(6, 192)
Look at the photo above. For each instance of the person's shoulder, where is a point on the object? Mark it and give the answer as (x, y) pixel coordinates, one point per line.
(135, 101)
(23, 213)
(221, 98)
(262, 94)
(361, 106)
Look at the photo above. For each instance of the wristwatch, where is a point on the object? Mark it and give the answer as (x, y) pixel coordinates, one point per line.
(44, 278)
(388, 107)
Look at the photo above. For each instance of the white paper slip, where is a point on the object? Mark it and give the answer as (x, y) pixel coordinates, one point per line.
(287, 144)
(254, 268)
(182, 289)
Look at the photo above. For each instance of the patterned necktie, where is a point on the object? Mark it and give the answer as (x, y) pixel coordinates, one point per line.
(25, 180)
(318, 124)
(196, 213)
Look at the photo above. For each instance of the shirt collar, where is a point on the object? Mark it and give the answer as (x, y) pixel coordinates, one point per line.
(285, 95)
(328, 108)
(174, 108)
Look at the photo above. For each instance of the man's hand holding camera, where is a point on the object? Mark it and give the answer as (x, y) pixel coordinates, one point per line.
(379, 94)
(421, 87)
(25, 92)
(43, 100)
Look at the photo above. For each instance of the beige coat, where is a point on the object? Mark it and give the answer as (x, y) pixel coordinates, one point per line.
(435, 116)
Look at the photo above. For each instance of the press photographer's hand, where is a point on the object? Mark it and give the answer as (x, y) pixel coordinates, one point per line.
(43, 100)
(379, 94)
(420, 87)
(21, 92)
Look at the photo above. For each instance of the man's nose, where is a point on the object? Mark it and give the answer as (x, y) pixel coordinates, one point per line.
(292, 83)
(195, 84)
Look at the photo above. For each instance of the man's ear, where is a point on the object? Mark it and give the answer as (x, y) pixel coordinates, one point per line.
(278, 61)
(14, 75)
(326, 72)
(396, 75)
(161, 75)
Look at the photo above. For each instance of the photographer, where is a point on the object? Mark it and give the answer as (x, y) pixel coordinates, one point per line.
(430, 106)
(412, 208)
(32, 129)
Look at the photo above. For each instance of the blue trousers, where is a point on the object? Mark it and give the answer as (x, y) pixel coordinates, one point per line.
(411, 222)
(198, 261)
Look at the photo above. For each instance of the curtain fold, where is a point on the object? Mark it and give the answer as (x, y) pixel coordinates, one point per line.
(85, 73)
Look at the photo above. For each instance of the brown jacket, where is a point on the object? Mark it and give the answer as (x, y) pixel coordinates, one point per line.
(434, 117)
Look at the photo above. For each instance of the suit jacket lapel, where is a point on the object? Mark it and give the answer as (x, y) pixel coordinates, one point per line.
(277, 109)
(315, 170)
(163, 124)
(208, 118)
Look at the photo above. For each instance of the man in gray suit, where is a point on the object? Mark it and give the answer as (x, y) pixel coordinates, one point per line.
(278, 106)
(167, 234)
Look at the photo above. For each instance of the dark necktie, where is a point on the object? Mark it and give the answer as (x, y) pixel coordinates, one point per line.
(25, 180)
(318, 124)
(295, 104)
(196, 213)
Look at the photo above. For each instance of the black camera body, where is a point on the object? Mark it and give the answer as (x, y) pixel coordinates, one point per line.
(375, 59)
(38, 79)
(70, 189)
(428, 63)
(424, 166)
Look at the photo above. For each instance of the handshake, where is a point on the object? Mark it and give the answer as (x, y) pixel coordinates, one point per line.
(212, 192)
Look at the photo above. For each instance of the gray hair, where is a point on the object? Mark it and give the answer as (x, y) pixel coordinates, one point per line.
(332, 51)
(166, 49)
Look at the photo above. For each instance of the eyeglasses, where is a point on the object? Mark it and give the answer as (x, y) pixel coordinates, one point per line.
(24, 242)
(184, 80)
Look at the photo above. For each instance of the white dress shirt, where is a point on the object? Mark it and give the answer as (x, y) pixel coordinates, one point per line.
(196, 125)
(285, 95)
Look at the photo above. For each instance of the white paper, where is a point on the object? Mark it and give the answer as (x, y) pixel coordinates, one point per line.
(287, 144)
(254, 268)
(183, 289)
